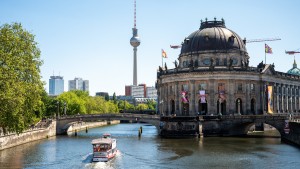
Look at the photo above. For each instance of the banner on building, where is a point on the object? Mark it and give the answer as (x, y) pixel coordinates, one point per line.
(222, 97)
(286, 127)
(270, 99)
(202, 96)
(184, 97)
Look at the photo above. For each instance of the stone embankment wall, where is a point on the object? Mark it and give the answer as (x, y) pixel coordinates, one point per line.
(78, 126)
(44, 130)
(36, 133)
(294, 133)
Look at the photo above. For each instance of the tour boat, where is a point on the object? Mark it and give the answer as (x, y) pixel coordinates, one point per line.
(104, 148)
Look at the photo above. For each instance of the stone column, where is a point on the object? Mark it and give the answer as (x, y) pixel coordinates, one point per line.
(176, 98)
(297, 99)
(196, 98)
(167, 99)
(247, 98)
(192, 111)
(262, 98)
(230, 99)
(275, 98)
(212, 106)
(179, 98)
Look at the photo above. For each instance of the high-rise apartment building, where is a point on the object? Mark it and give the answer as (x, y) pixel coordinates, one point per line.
(79, 84)
(56, 85)
(151, 92)
(134, 91)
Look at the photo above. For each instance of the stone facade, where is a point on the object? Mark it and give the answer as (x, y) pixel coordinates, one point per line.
(214, 60)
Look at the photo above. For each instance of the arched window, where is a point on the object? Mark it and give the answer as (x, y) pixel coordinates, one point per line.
(253, 106)
(202, 107)
(217, 62)
(239, 106)
(172, 106)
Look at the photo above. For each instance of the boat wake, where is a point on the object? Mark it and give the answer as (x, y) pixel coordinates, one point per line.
(88, 162)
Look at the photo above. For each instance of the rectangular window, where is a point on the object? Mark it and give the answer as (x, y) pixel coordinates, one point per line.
(171, 90)
(202, 86)
(252, 87)
(240, 87)
(279, 89)
(221, 87)
(185, 87)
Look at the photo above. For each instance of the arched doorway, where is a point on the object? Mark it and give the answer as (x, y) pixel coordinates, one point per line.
(185, 109)
(172, 106)
(202, 107)
(238, 106)
(221, 109)
(252, 106)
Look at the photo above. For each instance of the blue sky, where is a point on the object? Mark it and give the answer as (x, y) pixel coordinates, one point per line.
(90, 38)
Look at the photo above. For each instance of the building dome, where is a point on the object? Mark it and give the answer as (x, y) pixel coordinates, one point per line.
(213, 45)
(212, 36)
(294, 70)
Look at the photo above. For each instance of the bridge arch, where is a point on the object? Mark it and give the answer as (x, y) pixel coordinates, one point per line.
(64, 123)
(239, 125)
(243, 127)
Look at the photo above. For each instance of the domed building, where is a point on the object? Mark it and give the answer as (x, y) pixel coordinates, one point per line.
(294, 70)
(212, 77)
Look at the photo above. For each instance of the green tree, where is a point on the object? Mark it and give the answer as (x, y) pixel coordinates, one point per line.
(75, 104)
(114, 98)
(151, 104)
(142, 107)
(106, 97)
(20, 80)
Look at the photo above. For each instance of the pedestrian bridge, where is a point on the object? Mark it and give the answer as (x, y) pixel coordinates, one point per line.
(63, 123)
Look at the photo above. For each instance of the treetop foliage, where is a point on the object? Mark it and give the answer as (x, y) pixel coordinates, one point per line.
(20, 81)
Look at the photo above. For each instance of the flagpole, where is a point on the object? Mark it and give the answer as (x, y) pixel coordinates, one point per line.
(265, 55)
(162, 61)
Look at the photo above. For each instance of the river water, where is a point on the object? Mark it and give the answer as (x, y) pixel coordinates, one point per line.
(150, 151)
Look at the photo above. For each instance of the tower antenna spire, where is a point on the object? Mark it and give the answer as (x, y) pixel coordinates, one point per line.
(135, 14)
(135, 42)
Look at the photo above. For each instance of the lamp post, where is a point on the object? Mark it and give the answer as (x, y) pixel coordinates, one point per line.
(57, 109)
(162, 108)
(65, 108)
(124, 106)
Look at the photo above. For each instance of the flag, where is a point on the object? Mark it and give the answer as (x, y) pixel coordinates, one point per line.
(164, 54)
(184, 97)
(268, 49)
(202, 96)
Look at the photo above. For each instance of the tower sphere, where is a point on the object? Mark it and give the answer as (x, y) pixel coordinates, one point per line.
(135, 41)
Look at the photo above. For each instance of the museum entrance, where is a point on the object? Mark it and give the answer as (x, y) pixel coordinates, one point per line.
(185, 109)
(238, 106)
(202, 108)
(221, 107)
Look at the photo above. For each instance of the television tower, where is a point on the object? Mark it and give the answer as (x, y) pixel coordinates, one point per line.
(135, 42)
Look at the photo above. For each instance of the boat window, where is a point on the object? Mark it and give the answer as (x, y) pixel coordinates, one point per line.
(101, 147)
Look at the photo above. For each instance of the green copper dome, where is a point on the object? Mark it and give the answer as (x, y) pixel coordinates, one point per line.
(294, 70)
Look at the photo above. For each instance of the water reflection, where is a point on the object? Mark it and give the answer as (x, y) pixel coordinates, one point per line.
(151, 151)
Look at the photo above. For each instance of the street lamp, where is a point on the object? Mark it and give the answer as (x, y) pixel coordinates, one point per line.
(65, 108)
(57, 109)
(162, 107)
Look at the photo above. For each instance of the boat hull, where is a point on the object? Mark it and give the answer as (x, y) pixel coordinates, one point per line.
(106, 158)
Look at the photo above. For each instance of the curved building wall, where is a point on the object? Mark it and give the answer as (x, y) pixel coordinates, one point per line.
(227, 92)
